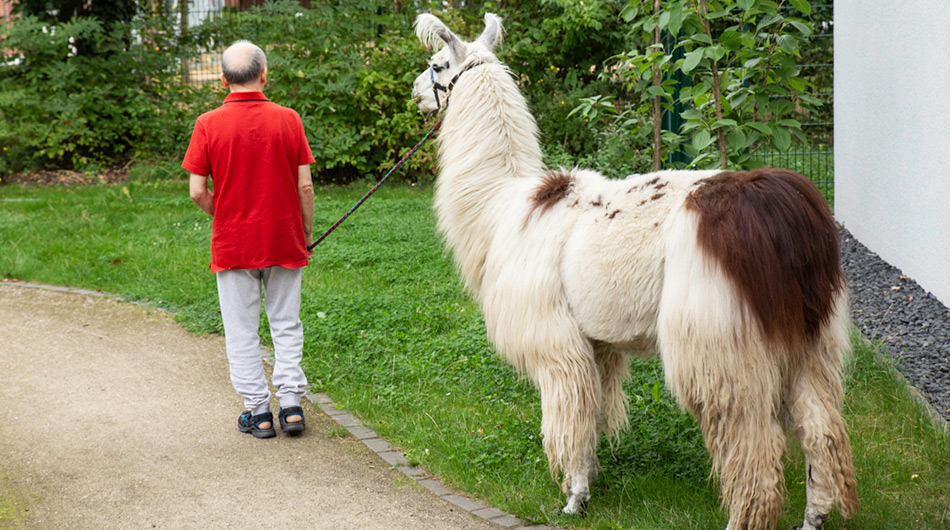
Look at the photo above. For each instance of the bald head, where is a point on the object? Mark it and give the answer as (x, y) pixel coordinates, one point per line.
(243, 63)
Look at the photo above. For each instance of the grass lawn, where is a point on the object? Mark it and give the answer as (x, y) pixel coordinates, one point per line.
(393, 337)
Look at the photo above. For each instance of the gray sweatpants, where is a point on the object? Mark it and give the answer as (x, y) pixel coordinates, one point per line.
(239, 292)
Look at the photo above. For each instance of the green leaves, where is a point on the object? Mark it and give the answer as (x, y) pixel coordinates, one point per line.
(702, 139)
(691, 61)
(802, 5)
(754, 48)
(781, 139)
(88, 95)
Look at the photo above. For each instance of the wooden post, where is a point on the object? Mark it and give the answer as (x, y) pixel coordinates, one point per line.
(657, 109)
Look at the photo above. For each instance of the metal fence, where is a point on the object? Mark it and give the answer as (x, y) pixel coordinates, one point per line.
(205, 66)
(815, 159)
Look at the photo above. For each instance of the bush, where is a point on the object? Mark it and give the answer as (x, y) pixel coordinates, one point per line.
(347, 78)
(731, 79)
(76, 96)
(560, 61)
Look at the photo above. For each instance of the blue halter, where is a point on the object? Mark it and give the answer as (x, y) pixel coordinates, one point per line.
(436, 87)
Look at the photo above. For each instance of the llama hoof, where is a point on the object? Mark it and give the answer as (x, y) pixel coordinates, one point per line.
(812, 521)
(577, 496)
(575, 506)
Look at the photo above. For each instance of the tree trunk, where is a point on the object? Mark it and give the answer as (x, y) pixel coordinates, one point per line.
(721, 133)
(657, 109)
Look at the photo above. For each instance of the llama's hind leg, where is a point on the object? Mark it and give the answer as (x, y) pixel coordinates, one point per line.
(814, 410)
(738, 411)
(734, 392)
(747, 443)
(570, 406)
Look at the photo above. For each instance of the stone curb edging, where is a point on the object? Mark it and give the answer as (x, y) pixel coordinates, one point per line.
(915, 393)
(61, 289)
(397, 460)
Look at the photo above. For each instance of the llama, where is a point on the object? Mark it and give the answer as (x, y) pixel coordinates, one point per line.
(732, 278)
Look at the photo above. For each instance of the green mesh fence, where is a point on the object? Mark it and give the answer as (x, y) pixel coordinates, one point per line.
(815, 159)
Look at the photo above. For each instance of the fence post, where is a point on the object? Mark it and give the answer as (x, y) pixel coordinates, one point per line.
(183, 9)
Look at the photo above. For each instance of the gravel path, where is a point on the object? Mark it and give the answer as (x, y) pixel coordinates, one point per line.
(914, 326)
(113, 416)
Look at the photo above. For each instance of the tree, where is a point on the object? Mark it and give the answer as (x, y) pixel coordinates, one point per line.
(107, 11)
(727, 71)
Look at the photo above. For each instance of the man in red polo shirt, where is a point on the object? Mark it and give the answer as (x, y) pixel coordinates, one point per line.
(258, 158)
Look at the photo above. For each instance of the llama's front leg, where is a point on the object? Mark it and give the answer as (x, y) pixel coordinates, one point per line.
(614, 368)
(570, 406)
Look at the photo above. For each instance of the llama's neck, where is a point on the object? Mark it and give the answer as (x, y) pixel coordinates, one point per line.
(488, 140)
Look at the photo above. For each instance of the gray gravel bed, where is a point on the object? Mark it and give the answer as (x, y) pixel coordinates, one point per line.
(891, 308)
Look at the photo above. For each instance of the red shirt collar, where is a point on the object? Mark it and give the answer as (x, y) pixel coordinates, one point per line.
(245, 96)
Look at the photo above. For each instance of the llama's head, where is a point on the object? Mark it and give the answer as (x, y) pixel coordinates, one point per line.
(431, 89)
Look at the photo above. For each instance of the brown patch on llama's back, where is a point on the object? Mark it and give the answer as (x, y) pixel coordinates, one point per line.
(775, 239)
(555, 186)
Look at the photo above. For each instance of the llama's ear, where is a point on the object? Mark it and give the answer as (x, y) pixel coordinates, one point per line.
(493, 34)
(431, 30)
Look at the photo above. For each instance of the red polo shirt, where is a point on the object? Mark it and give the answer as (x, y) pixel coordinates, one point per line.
(251, 148)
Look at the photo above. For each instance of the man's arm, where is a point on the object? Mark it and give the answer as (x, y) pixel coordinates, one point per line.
(198, 186)
(305, 194)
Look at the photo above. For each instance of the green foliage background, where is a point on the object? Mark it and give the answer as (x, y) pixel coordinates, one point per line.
(83, 93)
(89, 91)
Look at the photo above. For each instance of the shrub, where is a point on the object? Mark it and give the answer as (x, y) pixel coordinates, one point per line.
(76, 95)
(560, 61)
(347, 78)
(730, 79)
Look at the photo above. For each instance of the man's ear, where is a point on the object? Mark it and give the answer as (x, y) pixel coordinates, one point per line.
(224, 81)
(264, 77)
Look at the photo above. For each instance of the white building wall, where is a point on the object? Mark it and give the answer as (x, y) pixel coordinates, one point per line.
(892, 133)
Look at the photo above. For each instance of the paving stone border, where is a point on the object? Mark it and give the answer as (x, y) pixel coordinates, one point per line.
(397, 460)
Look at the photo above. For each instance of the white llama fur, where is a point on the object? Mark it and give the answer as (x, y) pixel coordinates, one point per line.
(613, 269)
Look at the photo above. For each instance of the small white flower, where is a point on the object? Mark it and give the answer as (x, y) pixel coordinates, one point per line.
(298, 14)
(72, 40)
(45, 29)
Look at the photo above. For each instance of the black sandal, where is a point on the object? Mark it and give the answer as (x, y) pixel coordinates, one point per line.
(292, 427)
(249, 423)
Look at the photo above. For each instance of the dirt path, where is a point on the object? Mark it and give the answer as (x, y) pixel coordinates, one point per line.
(113, 417)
